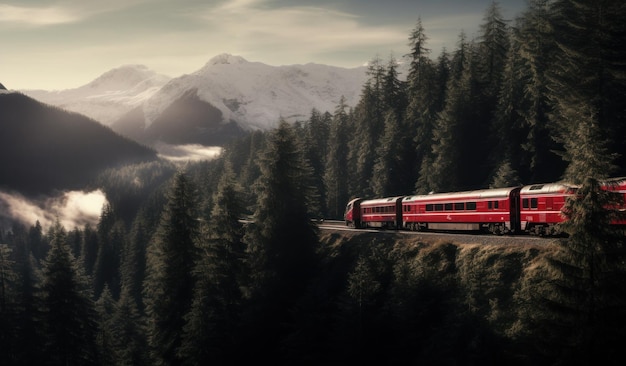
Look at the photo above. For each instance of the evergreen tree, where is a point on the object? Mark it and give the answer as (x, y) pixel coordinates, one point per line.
(111, 241)
(534, 41)
(69, 313)
(7, 303)
(448, 135)
(133, 263)
(212, 325)
(316, 133)
(587, 76)
(581, 316)
(368, 126)
(422, 100)
(388, 178)
(129, 327)
(89, 248)
(336, 170)
(30, 335)
(281, 245)
(105, 306)
(169, 281)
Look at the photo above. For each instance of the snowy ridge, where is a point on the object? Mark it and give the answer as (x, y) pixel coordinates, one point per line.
(256, 95)
(252, 94)
(109, 96)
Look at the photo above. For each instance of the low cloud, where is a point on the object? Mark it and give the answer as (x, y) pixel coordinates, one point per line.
(73, 208)
(190, 152)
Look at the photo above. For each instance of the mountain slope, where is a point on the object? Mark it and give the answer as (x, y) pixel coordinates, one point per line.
(43, 148)
(108, 97)
(235, 95)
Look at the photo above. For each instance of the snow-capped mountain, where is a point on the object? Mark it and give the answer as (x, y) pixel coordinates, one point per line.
(108, 97)
(226, 97)
(256, 95)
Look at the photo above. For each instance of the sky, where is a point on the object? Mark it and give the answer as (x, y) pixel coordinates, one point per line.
(62, 44)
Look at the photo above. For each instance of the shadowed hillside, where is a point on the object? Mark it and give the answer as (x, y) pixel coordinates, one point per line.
(43, 148)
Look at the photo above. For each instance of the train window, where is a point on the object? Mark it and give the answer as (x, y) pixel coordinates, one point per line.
(536, 187)
(470, 205)
(533, 203)
(448, 207)
(490, 205)
(438, 206)
(525, 203)
(459, 206)
(496, 204)
(429, 207)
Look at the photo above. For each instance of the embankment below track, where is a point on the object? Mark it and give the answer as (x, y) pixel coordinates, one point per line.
(477, 292)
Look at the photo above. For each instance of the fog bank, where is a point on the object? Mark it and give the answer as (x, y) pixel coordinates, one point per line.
(72, 208)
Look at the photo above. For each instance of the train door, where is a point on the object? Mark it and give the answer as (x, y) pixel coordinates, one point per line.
(514, 210)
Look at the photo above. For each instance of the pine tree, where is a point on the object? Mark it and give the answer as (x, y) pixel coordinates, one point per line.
(581, 316)
(388, 178)
(421, 109)
(169, 281)
(105, 306)
(7, 303)
(534, 40)
(315, 136)
(587, 76)
(129, 328)
(69, 313)
(448, 135)
(281, 245)
(30, 334)
(336, 170)
(213, 323)
(369, 124)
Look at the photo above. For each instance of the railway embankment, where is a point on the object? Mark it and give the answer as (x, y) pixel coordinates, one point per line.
(456, 291)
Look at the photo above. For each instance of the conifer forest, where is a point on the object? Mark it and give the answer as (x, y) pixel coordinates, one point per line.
(222, 262)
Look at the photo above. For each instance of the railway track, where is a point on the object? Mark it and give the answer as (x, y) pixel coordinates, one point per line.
(458, 237)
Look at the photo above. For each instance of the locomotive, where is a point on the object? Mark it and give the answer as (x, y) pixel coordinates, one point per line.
(535, 209)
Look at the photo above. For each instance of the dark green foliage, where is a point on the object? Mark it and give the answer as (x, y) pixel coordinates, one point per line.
(581, 313)
(68, 309)
(213, 324)
(111, 241)
(281, 245)
(169, 282)
(336, 171)
(587, 81)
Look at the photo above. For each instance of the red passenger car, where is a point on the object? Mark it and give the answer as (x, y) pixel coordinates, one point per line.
(494, 210)
(382, 213)
(541, 205)
(352, 215)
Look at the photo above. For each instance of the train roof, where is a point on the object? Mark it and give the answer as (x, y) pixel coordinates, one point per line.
(477, 194)
(548, 188)
(379, 201)
(615, 184)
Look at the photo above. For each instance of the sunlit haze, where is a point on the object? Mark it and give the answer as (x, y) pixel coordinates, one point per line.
(64, 44)
(72, 209)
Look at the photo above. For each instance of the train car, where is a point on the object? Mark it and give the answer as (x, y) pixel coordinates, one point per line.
(541, 206)
(382, 213)
(493, 210)
(352, 215)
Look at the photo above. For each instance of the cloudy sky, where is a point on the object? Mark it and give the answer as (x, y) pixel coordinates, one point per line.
(59, 44)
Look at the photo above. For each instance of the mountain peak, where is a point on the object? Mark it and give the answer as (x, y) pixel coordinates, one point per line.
(225, 59)
(122, 77)
(2, 87)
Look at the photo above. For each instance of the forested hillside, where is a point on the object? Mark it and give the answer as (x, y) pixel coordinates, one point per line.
(44, 148)
(171, 275)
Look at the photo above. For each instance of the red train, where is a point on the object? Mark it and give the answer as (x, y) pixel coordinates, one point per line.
(534, 209)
